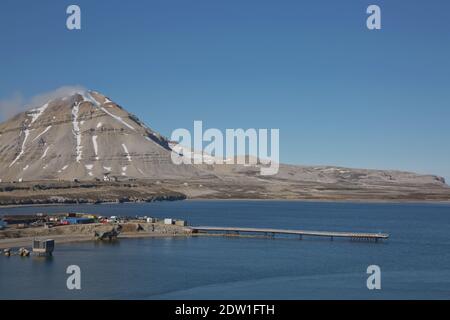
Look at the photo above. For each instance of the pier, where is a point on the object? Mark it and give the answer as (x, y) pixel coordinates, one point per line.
(301, 233)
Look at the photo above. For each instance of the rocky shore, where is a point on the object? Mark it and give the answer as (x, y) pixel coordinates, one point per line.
(15, 238)
(292, 183)
(63, 192)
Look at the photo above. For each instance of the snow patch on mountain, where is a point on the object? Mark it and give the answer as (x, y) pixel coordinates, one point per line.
(89, 98)
(77, 132)
(118, 118)
(126, 152)
(45, 152)
(36, 113)
(94, 142)
(22, 150)
(43, 132)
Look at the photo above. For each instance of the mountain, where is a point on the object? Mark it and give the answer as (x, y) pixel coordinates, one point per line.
(83, 147)
(82, 137)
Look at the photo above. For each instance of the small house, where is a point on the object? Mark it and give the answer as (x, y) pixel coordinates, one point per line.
(151, 220)
(43, 247)
(181, 223)
(168, 221)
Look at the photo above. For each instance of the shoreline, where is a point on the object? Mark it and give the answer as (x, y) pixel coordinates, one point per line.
(368, 201)
(356, 201)
(15, 238)
(13, 243)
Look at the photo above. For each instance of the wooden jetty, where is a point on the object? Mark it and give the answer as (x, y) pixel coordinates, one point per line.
(272, 232)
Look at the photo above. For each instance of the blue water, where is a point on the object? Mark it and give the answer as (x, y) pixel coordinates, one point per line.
(414, 262)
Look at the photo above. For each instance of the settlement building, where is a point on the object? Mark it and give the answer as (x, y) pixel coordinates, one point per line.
(76, 220)
(43, 247)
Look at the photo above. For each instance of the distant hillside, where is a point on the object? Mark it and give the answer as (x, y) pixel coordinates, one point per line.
(87, 138)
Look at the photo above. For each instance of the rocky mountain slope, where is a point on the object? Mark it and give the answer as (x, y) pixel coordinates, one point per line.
(50, 151)
(82, 137)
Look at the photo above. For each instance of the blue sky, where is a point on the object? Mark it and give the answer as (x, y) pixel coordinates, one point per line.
(339, 93)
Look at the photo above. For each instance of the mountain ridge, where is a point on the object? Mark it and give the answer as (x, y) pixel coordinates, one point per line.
(85, 136)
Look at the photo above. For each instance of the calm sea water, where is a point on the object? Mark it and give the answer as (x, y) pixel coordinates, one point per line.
(414, 262)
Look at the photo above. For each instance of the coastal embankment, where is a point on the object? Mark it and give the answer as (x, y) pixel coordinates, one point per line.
(13, 237)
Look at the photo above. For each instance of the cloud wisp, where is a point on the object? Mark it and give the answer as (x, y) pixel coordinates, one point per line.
(18, 103)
